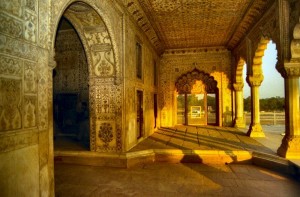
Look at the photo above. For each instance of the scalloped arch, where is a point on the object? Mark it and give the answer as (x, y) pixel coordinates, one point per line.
(239, 71)
(185, 82)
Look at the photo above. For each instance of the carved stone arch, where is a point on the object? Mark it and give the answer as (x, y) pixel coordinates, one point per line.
(256, 68)
(60, 7)
(185, 82)
(239, 71)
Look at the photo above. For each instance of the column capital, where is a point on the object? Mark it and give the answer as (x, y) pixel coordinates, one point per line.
(255, 80)
(292, 68)
(238, 86)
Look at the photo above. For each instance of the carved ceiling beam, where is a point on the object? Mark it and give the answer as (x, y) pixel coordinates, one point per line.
(252, 16)
(136, 11)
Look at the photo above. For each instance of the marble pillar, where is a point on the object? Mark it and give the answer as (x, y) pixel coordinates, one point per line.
(255, 129)
(239, 121)
(290, 147)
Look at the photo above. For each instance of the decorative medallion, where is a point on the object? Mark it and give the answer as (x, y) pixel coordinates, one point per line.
(106, 133)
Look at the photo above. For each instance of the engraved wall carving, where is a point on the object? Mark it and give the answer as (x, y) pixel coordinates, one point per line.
(30, 110)
(30, 77)
(43, 84)
(10, 66)
(21, 68)
(10, 114)
(18, 22)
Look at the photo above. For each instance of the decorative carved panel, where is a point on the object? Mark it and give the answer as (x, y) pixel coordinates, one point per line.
(30, 77)
(30, 111)
(10, 106)
(11, 66)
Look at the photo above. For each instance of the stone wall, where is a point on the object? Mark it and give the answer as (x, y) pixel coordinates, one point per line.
(214, 61)
(25, 136)
(133, 84)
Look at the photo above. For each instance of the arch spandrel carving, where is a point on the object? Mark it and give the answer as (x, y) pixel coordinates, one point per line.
(184, 84)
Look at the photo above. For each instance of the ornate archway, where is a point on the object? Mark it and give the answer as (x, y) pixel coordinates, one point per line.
(197, 99)
(104, 85)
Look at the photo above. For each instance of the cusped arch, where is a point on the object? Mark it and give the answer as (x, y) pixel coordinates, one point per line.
(239, 71)
(256, 69)
(185, 82)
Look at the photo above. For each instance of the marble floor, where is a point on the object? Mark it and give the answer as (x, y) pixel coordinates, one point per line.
(201, 138)
(180, 179)
(165, 179)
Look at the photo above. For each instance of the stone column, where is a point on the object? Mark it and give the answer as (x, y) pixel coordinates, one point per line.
(255, 129)
(290, 147)
(239, 121)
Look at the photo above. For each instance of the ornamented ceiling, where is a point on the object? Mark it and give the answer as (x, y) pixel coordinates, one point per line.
(175, 24)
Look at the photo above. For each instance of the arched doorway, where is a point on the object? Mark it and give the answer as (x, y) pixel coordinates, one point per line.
(70, 90)
(197, 96)
(93, 88)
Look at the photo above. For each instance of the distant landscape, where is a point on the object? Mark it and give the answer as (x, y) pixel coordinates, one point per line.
(266, 104)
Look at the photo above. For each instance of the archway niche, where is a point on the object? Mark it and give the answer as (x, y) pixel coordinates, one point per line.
(197, 99)
(84, 82)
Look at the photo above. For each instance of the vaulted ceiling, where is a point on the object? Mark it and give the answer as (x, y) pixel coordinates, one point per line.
(176, 24)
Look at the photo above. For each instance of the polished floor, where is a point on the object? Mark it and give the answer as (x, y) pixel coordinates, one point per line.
(165, 179)
(180, 179)
(201, 138)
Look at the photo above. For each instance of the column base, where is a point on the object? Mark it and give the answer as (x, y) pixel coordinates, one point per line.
(239, 123)
(255, 130)
(290, 147)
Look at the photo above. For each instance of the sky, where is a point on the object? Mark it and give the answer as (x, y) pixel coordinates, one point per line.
(273, 83)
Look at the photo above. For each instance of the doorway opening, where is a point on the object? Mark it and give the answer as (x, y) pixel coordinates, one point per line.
(70, 91)
(140, 114)
(197, 99)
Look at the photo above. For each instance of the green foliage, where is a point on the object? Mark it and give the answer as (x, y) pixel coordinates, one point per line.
(211, 101)
(266, 104)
